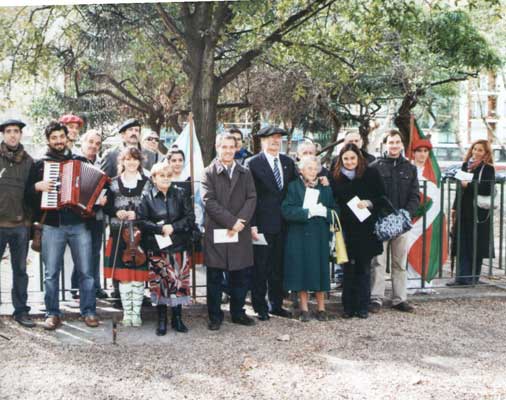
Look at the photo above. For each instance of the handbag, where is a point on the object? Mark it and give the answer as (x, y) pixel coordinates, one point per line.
(340, 248)
(484, 201)
(392, 225)
(37, 234)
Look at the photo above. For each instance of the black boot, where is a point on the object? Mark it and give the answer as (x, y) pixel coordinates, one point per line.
(176, 321)
(162, 320)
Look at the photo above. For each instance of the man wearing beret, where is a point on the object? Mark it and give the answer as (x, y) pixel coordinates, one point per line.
(272, 172)
(15, 164)
(150, 141)
(130, 132)
(74, 125)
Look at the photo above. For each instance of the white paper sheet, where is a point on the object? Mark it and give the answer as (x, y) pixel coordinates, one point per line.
(220, 236)
(464, 176)
(361, 213)
(163, 241)
(261, 240)
(310, 198)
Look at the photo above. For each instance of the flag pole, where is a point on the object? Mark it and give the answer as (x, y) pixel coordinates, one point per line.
(192, 189)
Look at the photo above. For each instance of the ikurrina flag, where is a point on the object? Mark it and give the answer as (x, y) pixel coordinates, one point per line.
(436, 251)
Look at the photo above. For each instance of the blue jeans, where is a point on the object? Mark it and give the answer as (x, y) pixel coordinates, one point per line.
(96, 230)
(54, 240)
(17, 239)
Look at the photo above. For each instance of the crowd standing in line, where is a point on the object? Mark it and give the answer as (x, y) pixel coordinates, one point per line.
(246, 199)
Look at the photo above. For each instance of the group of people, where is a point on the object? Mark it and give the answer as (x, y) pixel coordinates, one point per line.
(258, 233)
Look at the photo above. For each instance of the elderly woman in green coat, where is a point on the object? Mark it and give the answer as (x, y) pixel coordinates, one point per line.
(307, 250)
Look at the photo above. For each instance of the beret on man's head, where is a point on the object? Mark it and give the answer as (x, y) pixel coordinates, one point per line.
(71, 119)
(10, 122)
(129, 123)
(270, 130)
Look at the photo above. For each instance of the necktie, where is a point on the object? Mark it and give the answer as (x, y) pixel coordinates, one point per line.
(277, 174)
(229, 171)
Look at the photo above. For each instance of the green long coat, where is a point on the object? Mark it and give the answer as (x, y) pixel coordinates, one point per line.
(306, 265)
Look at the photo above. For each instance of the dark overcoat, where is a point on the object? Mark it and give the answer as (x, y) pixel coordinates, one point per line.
(359, 237)
(225, 201)
(485, 185)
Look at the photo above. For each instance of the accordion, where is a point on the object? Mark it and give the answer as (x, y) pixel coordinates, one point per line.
(78, 186)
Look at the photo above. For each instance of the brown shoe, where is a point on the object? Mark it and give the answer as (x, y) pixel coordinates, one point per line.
(52, 322)
(91, 321)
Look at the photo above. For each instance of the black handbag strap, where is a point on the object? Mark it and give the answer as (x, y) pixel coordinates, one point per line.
(387, 201)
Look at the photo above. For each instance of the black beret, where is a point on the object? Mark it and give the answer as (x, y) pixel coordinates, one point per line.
(270, 130)
(128, 124)
(9, 122)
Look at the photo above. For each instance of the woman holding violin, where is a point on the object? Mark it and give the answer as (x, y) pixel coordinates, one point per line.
(167, 212)
(126, 260)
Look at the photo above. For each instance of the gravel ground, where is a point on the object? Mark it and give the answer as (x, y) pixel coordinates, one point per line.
(454, 349)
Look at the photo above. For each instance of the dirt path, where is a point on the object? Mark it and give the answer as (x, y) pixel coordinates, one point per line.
(447, 350)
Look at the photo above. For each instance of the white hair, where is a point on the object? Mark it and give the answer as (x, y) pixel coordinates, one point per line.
(303, 145)
(306, 160)
(90, 133)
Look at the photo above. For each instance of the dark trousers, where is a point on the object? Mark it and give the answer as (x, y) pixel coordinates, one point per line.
(356, 285)
(96, 230)
(268, 274)
(17, 239)
(465, 271)
(238, 282)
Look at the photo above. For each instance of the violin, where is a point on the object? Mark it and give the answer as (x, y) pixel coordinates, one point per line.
(133, 253)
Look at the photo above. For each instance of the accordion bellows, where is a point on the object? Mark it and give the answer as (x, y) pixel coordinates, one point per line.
(78, 186)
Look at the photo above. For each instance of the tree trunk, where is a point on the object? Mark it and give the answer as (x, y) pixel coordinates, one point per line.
(364, 130)
(403, 118)
(204, 108)
(255, 127)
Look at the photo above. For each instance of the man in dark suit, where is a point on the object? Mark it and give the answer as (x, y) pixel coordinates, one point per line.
(272, 172)
(130, 132)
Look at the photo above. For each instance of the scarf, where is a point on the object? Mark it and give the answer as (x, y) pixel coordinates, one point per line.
(309, 184)
(13, 155)
(349, 173)
(59, 155)
(472, 165)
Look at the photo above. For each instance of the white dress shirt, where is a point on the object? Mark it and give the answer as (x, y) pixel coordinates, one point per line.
(270, 160)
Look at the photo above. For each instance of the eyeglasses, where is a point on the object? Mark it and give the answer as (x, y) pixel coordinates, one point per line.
(153, 139)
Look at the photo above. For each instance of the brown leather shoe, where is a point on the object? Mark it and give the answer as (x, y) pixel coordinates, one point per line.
(52, 322)
(91, 321)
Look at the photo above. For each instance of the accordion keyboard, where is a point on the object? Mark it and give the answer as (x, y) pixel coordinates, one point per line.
(52, 174)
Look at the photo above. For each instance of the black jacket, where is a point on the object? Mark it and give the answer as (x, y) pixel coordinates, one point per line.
(401, 182)
(176, 209)
(53, 217)
(267, 215)
(359, 237)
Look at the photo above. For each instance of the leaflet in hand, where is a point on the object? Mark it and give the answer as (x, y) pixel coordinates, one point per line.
(361, 213)
(310, 198)
(163, 241)
(220, 236)
(464, 176)
(261, 240)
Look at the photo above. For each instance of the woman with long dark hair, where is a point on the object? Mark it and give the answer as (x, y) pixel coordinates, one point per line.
(480, 162)
(351, 178)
